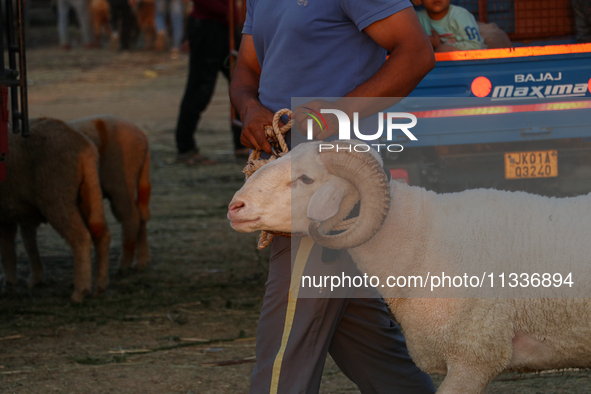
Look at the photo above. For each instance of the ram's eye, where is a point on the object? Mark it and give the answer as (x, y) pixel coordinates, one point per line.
(306, 179)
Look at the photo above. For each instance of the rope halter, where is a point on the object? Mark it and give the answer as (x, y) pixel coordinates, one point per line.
(275, 136)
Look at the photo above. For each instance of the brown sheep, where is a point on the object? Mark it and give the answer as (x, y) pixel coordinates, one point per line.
(145, 16)
(100, 14)
(53, 177)
(125, 180)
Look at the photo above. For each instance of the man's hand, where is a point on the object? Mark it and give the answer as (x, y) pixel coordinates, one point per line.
(254, 119)
(435, 39)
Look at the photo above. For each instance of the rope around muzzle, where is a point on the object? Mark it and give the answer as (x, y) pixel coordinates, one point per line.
(275, 136)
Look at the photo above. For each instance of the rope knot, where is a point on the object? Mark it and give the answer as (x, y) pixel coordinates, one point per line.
(275, 136)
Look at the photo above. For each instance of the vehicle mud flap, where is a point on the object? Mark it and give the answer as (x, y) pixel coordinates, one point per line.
(3, 131)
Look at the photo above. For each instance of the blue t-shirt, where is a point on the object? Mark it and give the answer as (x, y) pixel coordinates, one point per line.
(315, 48)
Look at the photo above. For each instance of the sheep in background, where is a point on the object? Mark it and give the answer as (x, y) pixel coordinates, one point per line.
(402, 228)
(100, 16)
(53, 177)
(146, 22)
(125, 180)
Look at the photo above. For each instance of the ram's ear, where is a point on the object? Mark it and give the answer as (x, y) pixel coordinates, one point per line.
(326, 201)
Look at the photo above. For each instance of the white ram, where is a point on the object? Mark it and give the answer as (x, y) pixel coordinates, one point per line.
(471, 340)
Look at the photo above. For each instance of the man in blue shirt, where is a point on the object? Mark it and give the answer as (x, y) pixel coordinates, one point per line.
(326, 48)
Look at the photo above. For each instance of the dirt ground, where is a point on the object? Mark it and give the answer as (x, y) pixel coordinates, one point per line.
(187, 324)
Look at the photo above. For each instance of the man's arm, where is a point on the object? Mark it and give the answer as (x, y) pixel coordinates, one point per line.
(244, 94)
(411, 58)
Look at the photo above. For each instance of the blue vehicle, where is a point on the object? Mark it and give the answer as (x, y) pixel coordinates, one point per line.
(513, 119)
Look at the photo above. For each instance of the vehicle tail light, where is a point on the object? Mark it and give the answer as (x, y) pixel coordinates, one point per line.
(399, 175)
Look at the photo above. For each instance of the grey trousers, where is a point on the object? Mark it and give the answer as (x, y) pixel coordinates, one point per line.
(81, 8)
(358, 333)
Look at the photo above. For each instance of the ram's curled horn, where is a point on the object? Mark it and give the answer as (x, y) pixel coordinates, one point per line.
(364, 172)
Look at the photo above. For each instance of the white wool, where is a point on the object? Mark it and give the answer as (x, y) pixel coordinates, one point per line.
(471, 340)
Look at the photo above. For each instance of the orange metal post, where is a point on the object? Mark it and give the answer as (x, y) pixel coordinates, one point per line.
(483, 10)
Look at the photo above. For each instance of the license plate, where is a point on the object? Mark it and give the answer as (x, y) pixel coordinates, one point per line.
(529, 165)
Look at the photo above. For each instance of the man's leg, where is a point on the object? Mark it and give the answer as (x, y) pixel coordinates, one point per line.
(160, 19)
(293, 334)
(62, 21)
(176, 19)
(81, 8)
(208, 41)
(160, 15)
(127, 22)
(115, 22)
(370, 349)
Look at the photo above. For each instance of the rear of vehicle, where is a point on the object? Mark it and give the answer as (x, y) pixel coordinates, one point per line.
(511, 119)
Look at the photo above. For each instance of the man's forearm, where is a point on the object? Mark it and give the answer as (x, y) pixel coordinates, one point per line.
(244, 96)
(244, 89)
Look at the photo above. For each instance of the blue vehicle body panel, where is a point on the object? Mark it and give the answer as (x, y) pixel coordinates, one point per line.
(453, 78)
(515, 82)
(528, 126)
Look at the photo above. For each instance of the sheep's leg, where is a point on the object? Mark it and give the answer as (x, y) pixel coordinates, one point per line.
(143, 251)
(8, 252)
(129, 238)
(130, 226)
(29, 236)
(467, 380)
(72, 228)
(149, 38)
(101, 247)
(128, 214)
(97, 22)
(81, 247)
(107, 25)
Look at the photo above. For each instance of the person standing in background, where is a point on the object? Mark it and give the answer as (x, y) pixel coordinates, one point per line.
(209, 42)
(121, 14)
(63, 10)
(176, 9)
